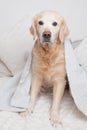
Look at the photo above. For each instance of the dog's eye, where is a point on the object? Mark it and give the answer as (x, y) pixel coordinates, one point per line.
(54, 23)
(40, 22)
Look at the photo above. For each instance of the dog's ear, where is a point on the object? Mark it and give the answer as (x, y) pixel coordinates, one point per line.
(33, 28)
(63, 32)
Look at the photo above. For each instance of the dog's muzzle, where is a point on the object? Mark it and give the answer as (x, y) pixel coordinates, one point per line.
(46, 36)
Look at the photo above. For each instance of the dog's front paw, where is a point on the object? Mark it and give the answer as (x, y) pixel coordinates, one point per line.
(54, 118)
(28, 111)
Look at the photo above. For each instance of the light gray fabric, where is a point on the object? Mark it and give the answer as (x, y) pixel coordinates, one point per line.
(81, 53)
(14, 95)
(4, 70)
(77, 78)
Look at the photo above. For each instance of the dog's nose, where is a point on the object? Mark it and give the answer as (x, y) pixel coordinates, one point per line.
(47, 34)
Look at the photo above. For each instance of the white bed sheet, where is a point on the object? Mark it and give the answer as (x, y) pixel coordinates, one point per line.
(71, 118)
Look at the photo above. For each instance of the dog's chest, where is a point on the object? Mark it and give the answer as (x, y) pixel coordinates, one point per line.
(50, 67)
(47, 64)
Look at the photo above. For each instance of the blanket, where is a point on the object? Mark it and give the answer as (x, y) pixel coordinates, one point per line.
(14, 95)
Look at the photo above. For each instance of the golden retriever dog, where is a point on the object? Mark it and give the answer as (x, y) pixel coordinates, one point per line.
(48, 62)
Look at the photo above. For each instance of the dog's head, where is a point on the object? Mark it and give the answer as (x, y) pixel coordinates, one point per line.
(48, 26)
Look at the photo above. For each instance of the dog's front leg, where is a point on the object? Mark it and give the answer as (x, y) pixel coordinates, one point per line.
(58, 90)
(35, 89)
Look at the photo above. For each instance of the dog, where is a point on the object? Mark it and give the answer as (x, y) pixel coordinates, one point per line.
(48, 60)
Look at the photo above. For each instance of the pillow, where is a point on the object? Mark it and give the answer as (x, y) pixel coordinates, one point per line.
(16, 45)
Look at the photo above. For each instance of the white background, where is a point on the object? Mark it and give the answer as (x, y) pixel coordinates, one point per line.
(74, 11)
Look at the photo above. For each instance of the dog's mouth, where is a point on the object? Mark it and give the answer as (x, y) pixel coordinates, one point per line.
(46, 40)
